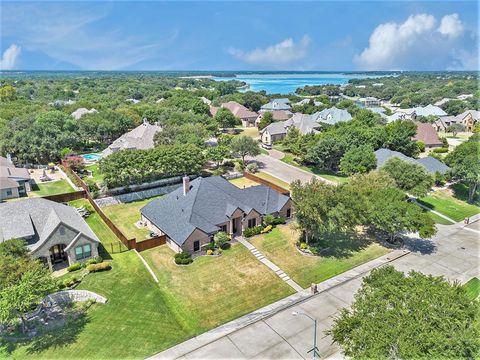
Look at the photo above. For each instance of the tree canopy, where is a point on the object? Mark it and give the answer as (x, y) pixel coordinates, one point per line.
(409, 176)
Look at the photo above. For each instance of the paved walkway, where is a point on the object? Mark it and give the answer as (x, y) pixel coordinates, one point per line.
(279, 272)
(276, 334)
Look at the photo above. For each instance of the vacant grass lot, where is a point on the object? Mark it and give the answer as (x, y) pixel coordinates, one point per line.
(273, 179)
(50, 188)
(279, 247)
(326, 174)
(126, 215)
(243, 182)
(448, 205)
(215, 290)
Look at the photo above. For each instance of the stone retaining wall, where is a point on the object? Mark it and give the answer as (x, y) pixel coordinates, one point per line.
(134, 196)
(73, 296)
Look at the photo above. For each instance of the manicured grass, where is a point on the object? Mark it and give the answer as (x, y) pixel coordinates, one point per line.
(249, 131)
(273, 179)
(472, 287)
(215, 290)
(96, 176)
(50, 188)
(279, 247)
(126, 215)
(438, 219)
(243, 182)
(326, 174)
(448, 205)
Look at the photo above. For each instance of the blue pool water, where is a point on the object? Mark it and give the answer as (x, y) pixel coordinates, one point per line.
(92, 157)
(288, 83)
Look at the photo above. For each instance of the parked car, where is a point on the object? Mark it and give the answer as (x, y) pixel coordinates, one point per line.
(267, 146)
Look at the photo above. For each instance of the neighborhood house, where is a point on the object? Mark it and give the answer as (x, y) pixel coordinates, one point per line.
(14, 182)
(55, 233)
(192, 214)
(427, 134)
(430, 164)
(238, 110)
(305, 124)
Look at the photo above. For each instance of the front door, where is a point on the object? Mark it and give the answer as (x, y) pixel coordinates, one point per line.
(57, 253)
(234, 226)
(196, 245)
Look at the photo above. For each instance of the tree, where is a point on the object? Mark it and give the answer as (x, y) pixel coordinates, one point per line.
(15, 248)
(7, 93)
(326, 153)
(409, 176)
(465, 165)
(399, 137)
(267, 119)
(217, 154)
(225, 118)
(243, 146)
(455, 128)
(395, 316)
(220, 238)
(454, 107)
(359, 159)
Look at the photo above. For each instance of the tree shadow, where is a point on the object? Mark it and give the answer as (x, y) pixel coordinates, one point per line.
(60, 337)
(422, 246)
(340, 245)
(102, 251)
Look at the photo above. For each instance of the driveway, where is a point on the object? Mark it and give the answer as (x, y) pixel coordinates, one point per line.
(283, 171)
(454, 253)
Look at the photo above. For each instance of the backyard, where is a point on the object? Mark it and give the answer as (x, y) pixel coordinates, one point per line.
(215, 290)
(450, 205)
(243, 182)
(279, 247)
(50, 188)
(273, 179)
(126, 215)
(96, 176)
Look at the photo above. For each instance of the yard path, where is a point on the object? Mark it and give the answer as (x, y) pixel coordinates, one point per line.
(453, 253)
(433, 211)
(279, 272)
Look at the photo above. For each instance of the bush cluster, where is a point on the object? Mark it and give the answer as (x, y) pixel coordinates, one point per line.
(249, 232)
(183, 258)
(279, 220)
(69, 282)
(99, 267)
(441, 150)
(74, 267)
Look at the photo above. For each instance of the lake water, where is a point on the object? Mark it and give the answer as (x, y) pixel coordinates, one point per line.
(288, 83)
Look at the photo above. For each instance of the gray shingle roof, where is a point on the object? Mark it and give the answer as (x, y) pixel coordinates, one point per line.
(277, 104)
(39, 217)
(332, 115)
(208, 203)
(139, 138)
(430, 164)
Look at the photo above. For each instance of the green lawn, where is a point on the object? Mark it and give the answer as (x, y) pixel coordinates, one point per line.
(50, 188)
(444, 203)
(460, 192)
(215, 290)
(438, 219)
(243, 182)
(273, 179)
(126, 215)
(249, 131)
(472, 288)
(326, 174)
(96, 176)
(279, 247)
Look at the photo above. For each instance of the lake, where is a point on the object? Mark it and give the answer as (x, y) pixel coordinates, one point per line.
(288, 83)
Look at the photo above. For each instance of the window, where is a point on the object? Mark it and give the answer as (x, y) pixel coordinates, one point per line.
(83, 251)
(9, 192)
(62, 230)
(196, 245)
(252, 222)
(289, 213)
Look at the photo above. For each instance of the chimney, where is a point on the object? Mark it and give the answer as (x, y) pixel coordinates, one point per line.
(186, 185)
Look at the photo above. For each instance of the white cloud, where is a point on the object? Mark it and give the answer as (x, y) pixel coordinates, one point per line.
(282, 53)
(10, 57)
(451, 26)
(417, 44)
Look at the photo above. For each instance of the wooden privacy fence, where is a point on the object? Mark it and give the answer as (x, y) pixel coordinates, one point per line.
(65, 197)
(129, 243)
(260, 180)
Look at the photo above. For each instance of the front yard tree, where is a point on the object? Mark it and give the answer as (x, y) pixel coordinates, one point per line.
(243, 146)
(418, 316)
(455, 128)
(465, 165)
(225, 118)
(358, 160)
(409, 176)
(267, 119)
(217, 154)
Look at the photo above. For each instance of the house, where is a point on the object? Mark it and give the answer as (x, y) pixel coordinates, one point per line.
(55, 233)
(369, 101)
(277, 115)
(469, 119)
(443, 122)
(77, 114)
(430, 164)
(429, 110)
(307, 102)
(14, 182)
(427, 134)
(306, 124)
(397, 116)
(442, 101)
(192, 214)
(140, 138)
(332, 116)
(277, 104)
(247, 116)
(464, 97)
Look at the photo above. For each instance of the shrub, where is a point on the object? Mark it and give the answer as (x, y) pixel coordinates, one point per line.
(267, 229)
(239, 166)
(90, 262)
(70, 281)
(98, 259)
(74, 267)
(220, 238)
(249, 232)
(99, 267)
(183, 258)
(441, 150)
(209, 252)
(279, 220)
(218, 172)
(210, 246)
(252, 168)
(314, 249)
(268, 219)
(303, 246)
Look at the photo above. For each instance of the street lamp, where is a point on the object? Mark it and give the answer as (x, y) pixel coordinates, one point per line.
(314, 349)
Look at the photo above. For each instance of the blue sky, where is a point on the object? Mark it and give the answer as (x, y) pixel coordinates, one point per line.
(228, 35)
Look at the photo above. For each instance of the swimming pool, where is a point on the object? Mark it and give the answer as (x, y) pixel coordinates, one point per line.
(91, 157)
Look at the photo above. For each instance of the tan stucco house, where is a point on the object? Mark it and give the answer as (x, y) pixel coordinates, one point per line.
(192, 214)
(55, 233)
